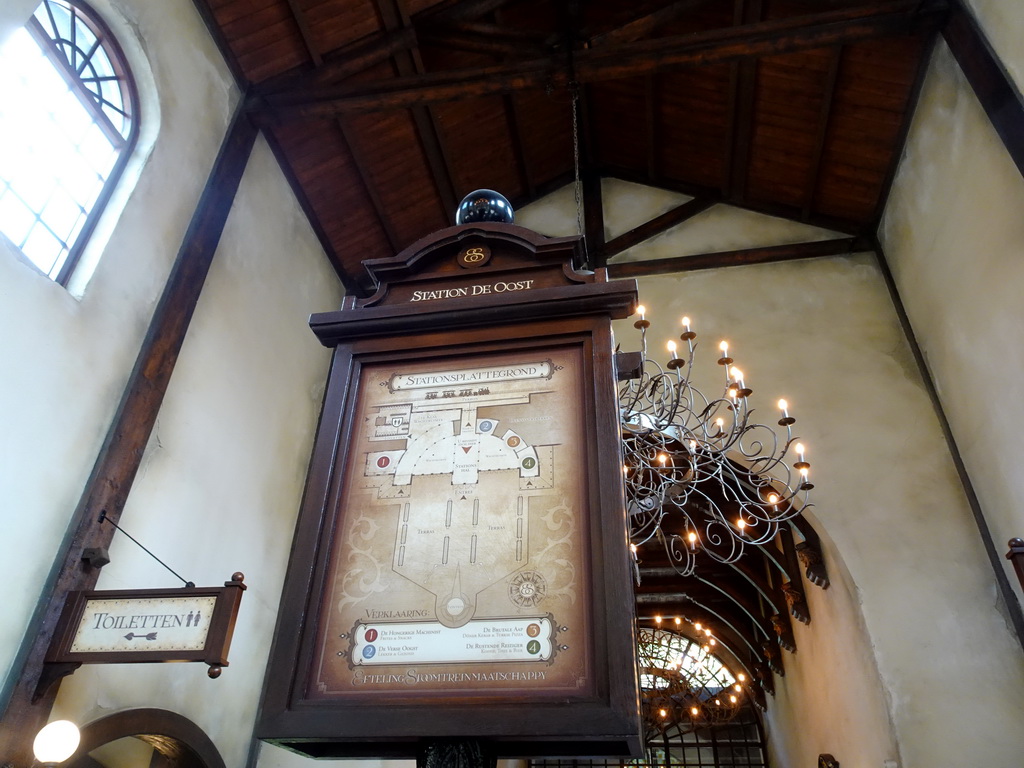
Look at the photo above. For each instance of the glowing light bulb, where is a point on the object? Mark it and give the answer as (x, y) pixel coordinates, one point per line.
(724, 346)
(732, 393)
(657, 620)
(800, 450)
(773, 499)
(712, 641)
(741, 677)
(784, 407)
(642, 310)
(678, 621)
(741, 523)
(671, 348)
(718, 702)
(632, 548)
(732, 698)
(691, 537)
(738, 687)
(720, 422)
(56, 742)
(686, 323)
(662, 458)
(694, 711)
(707, 631)
(662, 712)
(803, 472)
(737, 376)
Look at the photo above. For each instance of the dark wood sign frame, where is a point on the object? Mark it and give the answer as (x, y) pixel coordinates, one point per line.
(517, 292)
(61, 660)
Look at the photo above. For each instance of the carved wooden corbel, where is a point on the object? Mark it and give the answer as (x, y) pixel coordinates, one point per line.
(814, 565)
(784, 631)
(797, 603)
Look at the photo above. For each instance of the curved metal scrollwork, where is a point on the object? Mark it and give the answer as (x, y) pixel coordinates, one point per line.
(701, 476)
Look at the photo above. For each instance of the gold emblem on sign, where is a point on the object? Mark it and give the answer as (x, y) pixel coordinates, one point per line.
(474, 256)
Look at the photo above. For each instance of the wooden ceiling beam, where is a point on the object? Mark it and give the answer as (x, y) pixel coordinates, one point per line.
(658, 224)
(343, 63)
(651, 115)
(461, 10)
(821, 135)
(743, 91)
(645, 25)
(992, 84)
(363, 170)
(465, 41)
(780, 210)
(304, 32)
(409, 64)
(350, 282)
(765, 255)
(744, 42)
(518, 148)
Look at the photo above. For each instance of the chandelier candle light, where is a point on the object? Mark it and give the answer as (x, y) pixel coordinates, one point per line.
(701, 476)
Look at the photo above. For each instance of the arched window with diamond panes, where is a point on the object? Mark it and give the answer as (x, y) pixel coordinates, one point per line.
(69, 118)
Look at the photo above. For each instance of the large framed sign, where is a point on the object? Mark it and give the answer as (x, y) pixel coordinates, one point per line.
(461, 560)
(460, 567)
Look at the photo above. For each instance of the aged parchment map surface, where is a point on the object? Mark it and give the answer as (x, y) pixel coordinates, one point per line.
(459, 555)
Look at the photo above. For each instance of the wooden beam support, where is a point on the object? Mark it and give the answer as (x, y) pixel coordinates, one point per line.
(651, 93)
(351, 282)
(645, 25)
(307, 36)
(590, 177)
(765, 255)
(999, 95)
(343, 63)
(743, 91)
(782, 211)
(904, 131)
(409, 64)
(658, 224)
(370, 188)
(743, 42)
(518, 148)
(461, 10)
(824, 116)
(121, 454)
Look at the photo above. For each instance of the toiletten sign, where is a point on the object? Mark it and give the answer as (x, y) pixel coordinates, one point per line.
(125, 626)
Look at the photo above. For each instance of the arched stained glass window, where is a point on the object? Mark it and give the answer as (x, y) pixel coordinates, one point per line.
(69, 117)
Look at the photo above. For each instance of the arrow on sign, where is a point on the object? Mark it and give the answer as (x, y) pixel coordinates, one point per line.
(133, 636)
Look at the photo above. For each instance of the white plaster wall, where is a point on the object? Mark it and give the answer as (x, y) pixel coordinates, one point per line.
(65, 361)
(221, 482)
(954, 236)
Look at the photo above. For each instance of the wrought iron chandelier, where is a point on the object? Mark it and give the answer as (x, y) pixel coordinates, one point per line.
(701, 476)
(683, 682)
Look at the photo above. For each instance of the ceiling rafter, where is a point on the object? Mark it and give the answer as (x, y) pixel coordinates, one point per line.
(748, 41)
(343, 63)
(409, 64)
(659, 224)
(643, 26)
(763, 255)
(742, 92)
(363, 170)
(821, 135)
(304, 32)
(651, 119)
